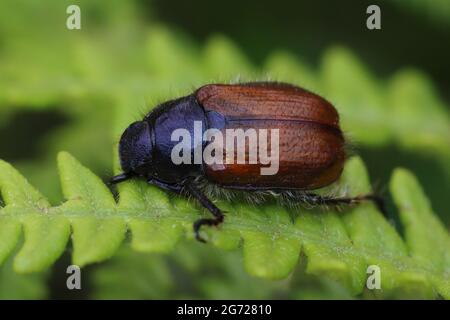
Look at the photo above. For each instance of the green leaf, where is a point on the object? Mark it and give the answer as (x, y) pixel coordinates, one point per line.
(97, 230)
(337, 245)
(124, 274)
(19, 286)
(158, 235)
(45, 235)
(362, 111)
(222, 59)
(285, 67)
(272, 254)
(413, 100)
(171, 58)
(427, 239)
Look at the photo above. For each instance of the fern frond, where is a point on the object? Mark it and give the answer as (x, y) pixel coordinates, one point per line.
(337, 245)
(404, 111)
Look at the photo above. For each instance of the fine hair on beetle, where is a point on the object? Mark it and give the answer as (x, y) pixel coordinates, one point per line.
(168, 148)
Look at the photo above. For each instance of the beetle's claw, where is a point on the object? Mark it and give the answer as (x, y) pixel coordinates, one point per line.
(196, 226)
(198, 237)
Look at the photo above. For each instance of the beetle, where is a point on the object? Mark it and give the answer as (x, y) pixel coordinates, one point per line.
(311, 145)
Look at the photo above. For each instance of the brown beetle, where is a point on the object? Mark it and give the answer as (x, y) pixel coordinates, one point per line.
(310, 146)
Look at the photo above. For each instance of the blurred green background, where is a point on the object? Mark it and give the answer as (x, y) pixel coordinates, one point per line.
(59, 90)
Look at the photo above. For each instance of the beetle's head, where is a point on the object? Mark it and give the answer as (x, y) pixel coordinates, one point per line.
(135, 152)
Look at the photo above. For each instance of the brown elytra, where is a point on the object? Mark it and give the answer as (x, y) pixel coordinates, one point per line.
(311, 144)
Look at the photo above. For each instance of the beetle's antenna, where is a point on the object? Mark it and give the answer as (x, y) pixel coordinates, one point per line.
(120, 178)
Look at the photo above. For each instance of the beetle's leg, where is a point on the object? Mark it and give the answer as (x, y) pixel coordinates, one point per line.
(218, 214)
(325, 200)
(120, 178)
(175, 188)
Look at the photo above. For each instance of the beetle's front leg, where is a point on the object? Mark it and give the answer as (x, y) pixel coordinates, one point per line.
(205, 202)
(189, 189)
(175, 188)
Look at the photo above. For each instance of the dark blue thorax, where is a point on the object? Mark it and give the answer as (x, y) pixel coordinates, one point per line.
(164, 120)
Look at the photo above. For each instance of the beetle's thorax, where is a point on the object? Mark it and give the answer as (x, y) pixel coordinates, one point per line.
(164, 121)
